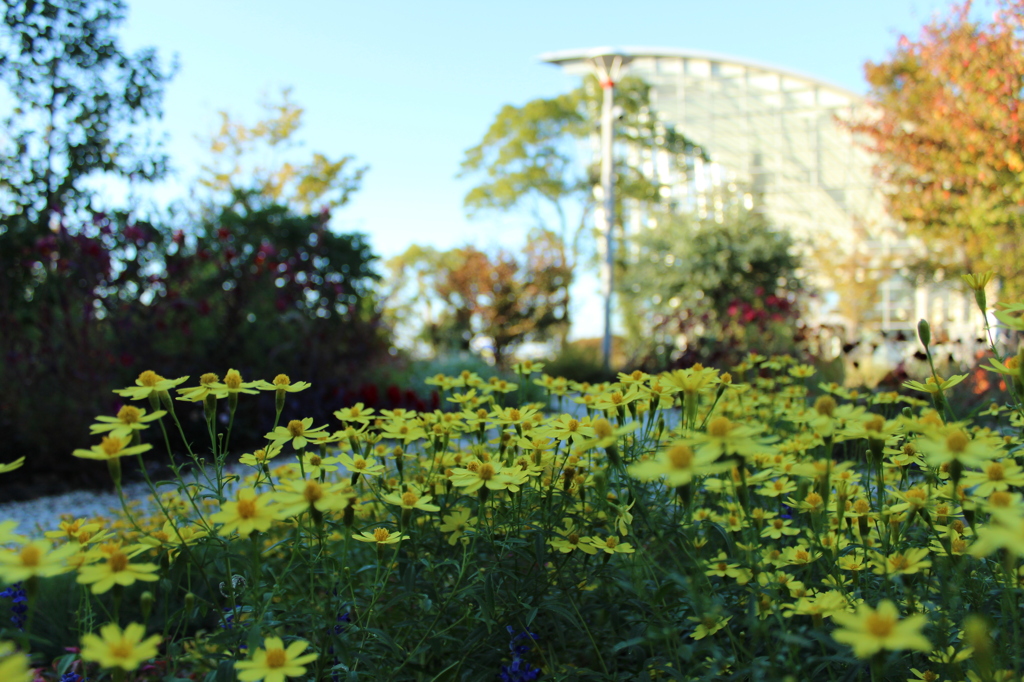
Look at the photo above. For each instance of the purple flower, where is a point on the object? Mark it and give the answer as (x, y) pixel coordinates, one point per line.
(19, 604)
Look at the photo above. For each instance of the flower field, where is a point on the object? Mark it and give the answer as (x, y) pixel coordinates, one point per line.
(698, 524)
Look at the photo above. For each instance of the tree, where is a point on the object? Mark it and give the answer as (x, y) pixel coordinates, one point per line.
(81, 110)
(80, 103)
(716, 284)
(497, 296)
(948, 131)
(529, 160)
(238, 163)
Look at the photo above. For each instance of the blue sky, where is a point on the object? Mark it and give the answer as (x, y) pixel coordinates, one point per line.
(407, 87)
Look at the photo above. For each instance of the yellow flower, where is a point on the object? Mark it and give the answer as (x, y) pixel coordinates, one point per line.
(476, 475)
(116, 570)
(4, 468)
(112, 447)
(262, 456)
(297, 431)
(116, 649)
(7, 534)
(978, 281)
(283, 383)
(208, 384)
(357, 464)
(724, 437)
(610, 545)
(457, 523)
(382, 536)
(869, 630)
(411, 500)
(300, 495)
(148, 383)
(358, 414)
(932, 386)
(34, 559)
(70, 530)
(233, 385)
(994, 476)
(128, 420)
(251, 512)
(273, 663)
(708, 625)
(570, 540)
(901, 563)
(951, 443)
(13, 664)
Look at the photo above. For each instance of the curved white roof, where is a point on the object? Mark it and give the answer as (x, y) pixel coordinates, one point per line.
(565, 58)
(772, 133)
(767, 130)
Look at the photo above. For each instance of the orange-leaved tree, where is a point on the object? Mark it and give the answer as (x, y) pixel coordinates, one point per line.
(948, 131)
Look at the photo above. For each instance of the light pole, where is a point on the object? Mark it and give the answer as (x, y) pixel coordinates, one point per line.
(606, 64)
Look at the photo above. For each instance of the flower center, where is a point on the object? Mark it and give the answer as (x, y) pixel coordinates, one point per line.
(129, 414)
(880, 626)
(514, 414)
(282, 380)
(149, 378)
(573, 425)
(276, 658)
(603, 428)
(825, 405)
(122, 649)
(117, 562)
(995, 472)
(681, 456)
(246, 508)
(30, 555)
(719, 427)
(312, 492)
(314, 460)
(208, 379)
(111, 445)
(813, 499)
(409, 499)
(957, 441)
(296, 428)
(381, 535)
(486, 472)
(899, 562)
(233, 380)
(876, 424)
(1000, 499)
(611, 542)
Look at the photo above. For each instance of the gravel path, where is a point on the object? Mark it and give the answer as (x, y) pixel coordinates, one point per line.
(36, 516)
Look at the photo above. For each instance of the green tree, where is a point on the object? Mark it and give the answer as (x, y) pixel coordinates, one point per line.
(81, 110)
(239, 163)
(529, 159)
(80, 103)
(947, 127)
(464, 293)
(720, 285)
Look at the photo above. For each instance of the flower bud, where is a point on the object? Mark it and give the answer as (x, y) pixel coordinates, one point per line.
(924, 332)
(146, 600)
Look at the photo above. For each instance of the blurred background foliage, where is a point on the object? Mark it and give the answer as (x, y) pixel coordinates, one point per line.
(250, 278)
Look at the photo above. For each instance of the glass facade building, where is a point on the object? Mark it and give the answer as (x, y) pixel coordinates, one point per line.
(777, 139)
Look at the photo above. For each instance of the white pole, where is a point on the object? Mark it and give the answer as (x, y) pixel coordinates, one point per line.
(607, 75)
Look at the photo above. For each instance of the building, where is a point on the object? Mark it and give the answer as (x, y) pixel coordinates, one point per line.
(778, 138)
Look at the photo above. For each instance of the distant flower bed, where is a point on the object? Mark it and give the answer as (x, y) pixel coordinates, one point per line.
(694, 524)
